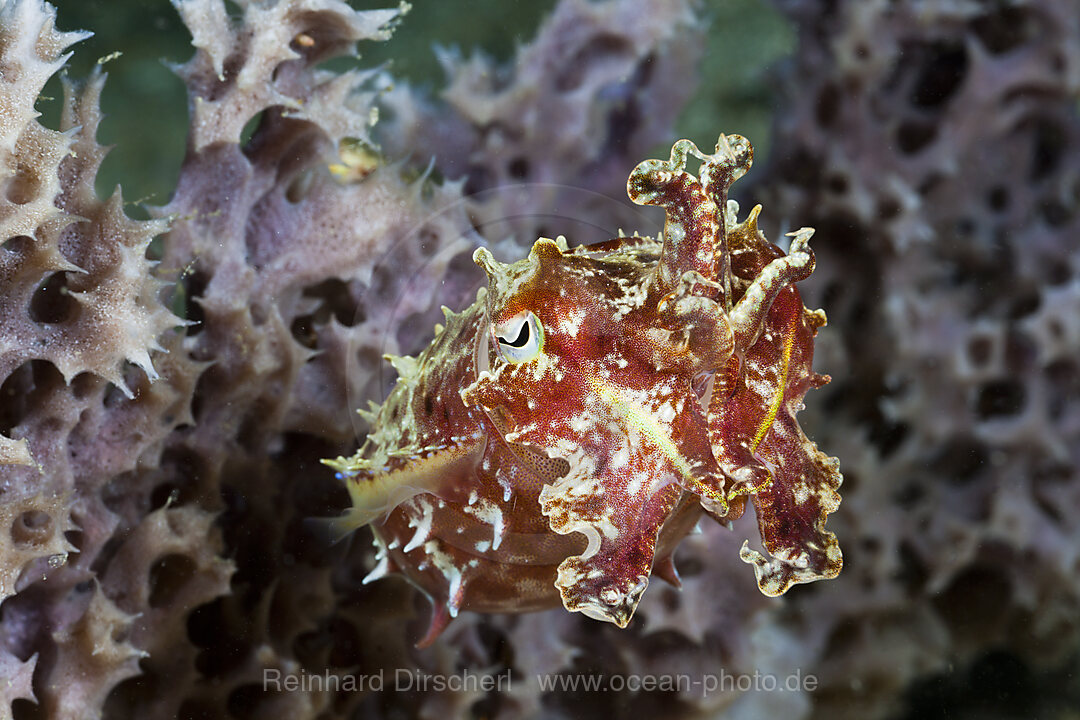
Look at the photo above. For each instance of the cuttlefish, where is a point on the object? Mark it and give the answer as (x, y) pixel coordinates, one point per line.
(559, 437)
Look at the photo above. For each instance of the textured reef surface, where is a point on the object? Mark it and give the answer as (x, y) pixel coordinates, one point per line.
(169, 386)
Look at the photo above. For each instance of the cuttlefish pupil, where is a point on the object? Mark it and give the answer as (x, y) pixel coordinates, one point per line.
(527, 334)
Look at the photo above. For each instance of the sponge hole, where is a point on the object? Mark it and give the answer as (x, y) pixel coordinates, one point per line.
(24, 186)
(18, 244)
(26, 710)
(51, 303)
(168, 576)
(33, 527)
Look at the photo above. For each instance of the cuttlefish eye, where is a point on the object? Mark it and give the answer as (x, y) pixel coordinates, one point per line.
(521, 338)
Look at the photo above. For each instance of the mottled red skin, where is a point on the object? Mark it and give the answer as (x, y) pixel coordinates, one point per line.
(505, 478)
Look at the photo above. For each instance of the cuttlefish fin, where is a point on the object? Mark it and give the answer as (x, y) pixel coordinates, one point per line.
(435, 469)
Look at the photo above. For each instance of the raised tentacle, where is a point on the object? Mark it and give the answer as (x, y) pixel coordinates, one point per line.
(732, 159)
(691, 230)
(749, 313)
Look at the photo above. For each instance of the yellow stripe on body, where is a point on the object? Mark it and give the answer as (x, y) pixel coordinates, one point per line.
(778, 396)
(641, 419)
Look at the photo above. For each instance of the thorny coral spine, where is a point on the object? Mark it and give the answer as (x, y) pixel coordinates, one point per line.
(560, 436)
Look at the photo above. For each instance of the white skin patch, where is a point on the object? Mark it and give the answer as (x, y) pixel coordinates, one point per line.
(490, 514)
(520, 432)
(421, 521)
(571, 324)
(635, 484)
(581, 424)
(760, 386)
(590, 487)
(570, 574)
(445, 564)
(381, 570)
(621, 457)
(802, 493)
(633, 298)
(591, 535)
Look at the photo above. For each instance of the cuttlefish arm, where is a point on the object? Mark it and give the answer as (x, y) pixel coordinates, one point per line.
(692, 229)
(755, 435)
(694, 233)
(629, 460)
(607, 580)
